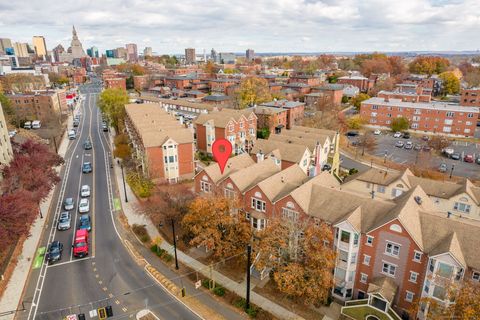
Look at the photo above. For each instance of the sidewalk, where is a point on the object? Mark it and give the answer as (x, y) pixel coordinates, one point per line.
(134, 217)
(11, 296)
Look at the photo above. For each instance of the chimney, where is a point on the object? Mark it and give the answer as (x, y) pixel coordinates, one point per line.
(260, 156)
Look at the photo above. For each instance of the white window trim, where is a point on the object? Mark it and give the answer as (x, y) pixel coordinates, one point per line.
(369, 244)
(476, 272)
(369, 259)
(407, 294)
(393, 244)
(421, 255)
(387, 273)
(363, 275)
(416, 277)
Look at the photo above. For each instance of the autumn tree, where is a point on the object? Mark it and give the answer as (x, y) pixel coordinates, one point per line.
(122, 149)
(473, 77)
(368, 142)
(429, 65)
(355, 122)
(112, 103)
(209, 68)
(383, 85)
(450, 83)
(438, 143)
(301, 258)
(210, 223)
(253, 90)
(357, 101)
(328, 119)
(400, 124)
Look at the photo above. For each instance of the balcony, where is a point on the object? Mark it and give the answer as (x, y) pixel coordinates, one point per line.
(361, 310)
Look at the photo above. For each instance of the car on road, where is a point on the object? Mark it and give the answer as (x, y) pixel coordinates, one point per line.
(477, 161)
(455, 156)
(69, 204)
(87, 145)
(468, 158)
(397, 135)
(399, 144)
(84, 206)
(326, 167)
(87, 167)
(408, 145)
(84, 222)
(54, 252)
(80, 243)
(76, 123)
(442, 167)
(104, 127)
(352, 133)
(406, 135)
(72, 135)
(448, 151)
(64, 221)
(417, 147)
(85, 191)
(377, 132)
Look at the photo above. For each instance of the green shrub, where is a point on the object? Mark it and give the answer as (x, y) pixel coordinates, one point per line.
(140, 185)
(206, 283)
(219, 291)
(160, 252)
(167, 257)
(240, 303)
(252, 312)
(141, 232)
(153, 248)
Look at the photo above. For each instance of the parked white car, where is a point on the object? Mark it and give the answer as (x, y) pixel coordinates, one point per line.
(377, 132)
(85, 191)
(397, 135)
(84, 206)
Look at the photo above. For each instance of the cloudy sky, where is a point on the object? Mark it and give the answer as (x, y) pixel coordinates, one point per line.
(169, 26)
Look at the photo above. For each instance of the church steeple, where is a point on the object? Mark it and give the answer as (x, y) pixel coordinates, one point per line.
(74, 32)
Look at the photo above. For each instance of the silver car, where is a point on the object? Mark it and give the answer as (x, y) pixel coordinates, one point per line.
(64, 222)
(68, 204)
(85, 191)
(84, 206)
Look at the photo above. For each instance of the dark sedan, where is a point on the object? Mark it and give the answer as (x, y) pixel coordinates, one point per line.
(54, 252)
(87, 167)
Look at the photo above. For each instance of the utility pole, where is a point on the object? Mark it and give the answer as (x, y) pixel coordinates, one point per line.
(451, 171)
(249, 252)
(174, 244)
(55, 144)
(124, 186)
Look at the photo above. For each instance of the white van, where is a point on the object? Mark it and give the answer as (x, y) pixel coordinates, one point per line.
(71, 135)
(27, 125)
(36, 124)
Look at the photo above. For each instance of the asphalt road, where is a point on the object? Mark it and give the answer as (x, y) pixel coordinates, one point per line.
(386, 146)
(108, 275)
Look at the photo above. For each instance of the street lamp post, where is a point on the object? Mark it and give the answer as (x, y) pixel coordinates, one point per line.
(451, 171)
(124, 186)
(40, 211)
(174, 244)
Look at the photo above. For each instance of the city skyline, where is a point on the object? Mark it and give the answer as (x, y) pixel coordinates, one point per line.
(287, 26)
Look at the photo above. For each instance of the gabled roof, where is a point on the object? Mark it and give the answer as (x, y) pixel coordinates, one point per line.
(288, 152)
(450, 244)
(309, 139)
(385, 286)
(330, 133)
(282, 183)
(250, 176)
(382, 177)
(221, 118)
(233, 164)
(446, 189)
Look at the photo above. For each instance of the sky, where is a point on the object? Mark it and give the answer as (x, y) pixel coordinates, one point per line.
(263, 25)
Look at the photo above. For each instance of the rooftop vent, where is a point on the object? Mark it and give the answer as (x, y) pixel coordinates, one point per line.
(418, 200)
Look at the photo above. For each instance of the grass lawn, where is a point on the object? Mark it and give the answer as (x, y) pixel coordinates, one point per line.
(360, 313)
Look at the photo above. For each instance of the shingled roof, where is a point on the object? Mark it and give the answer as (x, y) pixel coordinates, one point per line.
(287, 151)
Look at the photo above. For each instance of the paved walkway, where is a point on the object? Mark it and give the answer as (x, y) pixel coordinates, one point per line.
(134, 217)
(11, 296)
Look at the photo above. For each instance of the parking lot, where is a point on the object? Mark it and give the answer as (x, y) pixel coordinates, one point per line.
(385, 148)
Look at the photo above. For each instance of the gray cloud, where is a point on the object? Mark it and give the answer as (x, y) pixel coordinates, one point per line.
(265, 25)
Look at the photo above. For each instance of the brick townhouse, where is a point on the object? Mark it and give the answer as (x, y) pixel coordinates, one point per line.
(433, 117)
(162, 147)
(405, 96)
(364, 84)
(237, 126)
(470, 97)
(390, 252)
(115, 83)
(45, 105)
(329, 93)
(274, 119)
(306, 79)
(295, 110)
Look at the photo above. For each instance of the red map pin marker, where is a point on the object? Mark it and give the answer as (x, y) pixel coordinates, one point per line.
(221, 149)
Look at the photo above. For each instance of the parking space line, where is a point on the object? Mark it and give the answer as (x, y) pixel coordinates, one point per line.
(68, 262)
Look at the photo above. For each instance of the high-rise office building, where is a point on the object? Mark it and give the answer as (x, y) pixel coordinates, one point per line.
(57, 52)
(40, 46)
(120, 52)
(93, 52)
(5, 45)
(21, 49)
(250, 54)
(132, 53)
(110, 53)
(213, 55)
(148, 51)
(227, 57)
(190, 56)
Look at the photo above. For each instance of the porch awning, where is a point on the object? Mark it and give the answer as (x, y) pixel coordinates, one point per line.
(385, 286)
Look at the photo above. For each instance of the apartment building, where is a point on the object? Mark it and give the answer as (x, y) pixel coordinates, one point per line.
(458, 200)
(364, 84)
(45, 105)
(329, 93)
(434, 117)
(295, 110)
(237, 126)
(162, 147)
(141, 82)
(390, 252)
(274, 119)
(305, 79)
(470, 97)
(405, 96)
(115, 83)
(6, 153)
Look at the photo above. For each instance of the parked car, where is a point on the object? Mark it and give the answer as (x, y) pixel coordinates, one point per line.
(399, 144)
(417, 147)
(468, 158)
(64, 221)
(72, 135)
(69, 204)
(104, 127)
(377, 132)
(442, 167)
(352, 133)
(448, 151)
(425, 138)
(87, 167)
(85, 191)
(87, 145)
(76, 123)
(80, 243)
(326, 167)
(477, 161)
(84, 206)
(54, 252)
(409, 145)
(455, 156)
(426, 148)
(397, 135)
(84, 222)
(406, 135)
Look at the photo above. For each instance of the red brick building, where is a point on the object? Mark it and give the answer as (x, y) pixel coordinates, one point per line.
(275, 119)
(162, 147)
(470, 97)
(330, 93)
(295, 110)
(237, 126)
(118, 83)
(406, 96)
(305, 79)
(433, 117)
(364, 84)
(141, 82)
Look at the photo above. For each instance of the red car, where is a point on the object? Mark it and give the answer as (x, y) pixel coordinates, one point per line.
(468, 158)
